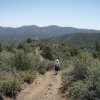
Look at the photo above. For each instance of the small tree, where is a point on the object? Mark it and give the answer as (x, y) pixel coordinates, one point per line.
(98, 45)
(97, 53)
(10, 47)
(22, 61)
(20, 45)
(74, 52)
(47, 53)
(29, 40)
(1, 48)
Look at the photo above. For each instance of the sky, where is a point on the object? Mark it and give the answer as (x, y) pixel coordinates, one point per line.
(67, 13)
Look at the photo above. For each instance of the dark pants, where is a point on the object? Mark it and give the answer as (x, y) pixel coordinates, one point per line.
(57, 68)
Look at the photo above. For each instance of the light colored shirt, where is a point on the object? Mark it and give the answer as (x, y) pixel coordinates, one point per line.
(57, 63)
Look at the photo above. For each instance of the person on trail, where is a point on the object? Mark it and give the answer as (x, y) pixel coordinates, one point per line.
(57, 66)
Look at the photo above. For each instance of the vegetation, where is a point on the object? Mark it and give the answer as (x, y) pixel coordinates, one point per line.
(82, 78)
(27, 76)
(1, 48)
(11, 86)
(18, 65)
(84, 40)
(21, 33)
(20, 62)
(96, 54)
(29, 40)
(47, 53)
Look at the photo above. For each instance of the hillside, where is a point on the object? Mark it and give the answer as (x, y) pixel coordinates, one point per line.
(24, 32)
(27, 71)
(80, 39)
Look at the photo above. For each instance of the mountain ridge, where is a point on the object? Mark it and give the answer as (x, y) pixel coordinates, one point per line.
(48, 26)
(33, 31)
(86, 40)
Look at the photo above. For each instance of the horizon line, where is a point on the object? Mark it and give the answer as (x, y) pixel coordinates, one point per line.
(49, 26)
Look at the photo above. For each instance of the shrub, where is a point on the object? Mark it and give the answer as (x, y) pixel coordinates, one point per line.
(11, 86)
(78, 91)
(41, 46)
(67, 78)
(47, 53)
(74, 52)
(97, 45)
(1, 48)
(11, 47)
(27, 48)
(95, 55)
(29, 40)
(20, 45)
(77, 71)
(49, 65)
(41, 68)
(22, 61)
(27, 76)
(94, 77)
(35, 62)
(80, 68)
(81, 81)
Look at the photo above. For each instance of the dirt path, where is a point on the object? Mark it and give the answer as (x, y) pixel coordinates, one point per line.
(43, 88)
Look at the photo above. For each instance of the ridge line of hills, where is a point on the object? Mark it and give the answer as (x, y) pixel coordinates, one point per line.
(34, 26)
(33, 31)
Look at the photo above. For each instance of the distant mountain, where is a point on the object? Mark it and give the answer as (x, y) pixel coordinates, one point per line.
(81, 39)
(24, 32)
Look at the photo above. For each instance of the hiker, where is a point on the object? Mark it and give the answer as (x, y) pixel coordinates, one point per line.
(57, 66)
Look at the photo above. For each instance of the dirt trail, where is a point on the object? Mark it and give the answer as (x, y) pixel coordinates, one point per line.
(43, 88)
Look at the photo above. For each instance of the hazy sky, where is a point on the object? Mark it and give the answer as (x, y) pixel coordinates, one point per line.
(75, 13)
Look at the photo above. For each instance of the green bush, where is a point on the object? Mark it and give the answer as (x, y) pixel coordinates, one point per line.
(80, 68)
(1, 48)
(78, 91)
(49, 65)
(22, 61)
(81, 81)
(67, 78)
(95, 55)
(26, 47)
(47, 53)
(97, 45)
(41, 68)
(77, 71)
(11, 86)
(11, 47)
(35, 62)
(74, 52)
(29, 40)
(20, 45)
(94, 77)
(27, 76)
